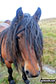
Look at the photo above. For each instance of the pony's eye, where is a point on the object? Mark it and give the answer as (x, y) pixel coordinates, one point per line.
(17, 37)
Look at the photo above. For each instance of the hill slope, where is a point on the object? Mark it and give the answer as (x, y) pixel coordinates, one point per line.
(48, 27)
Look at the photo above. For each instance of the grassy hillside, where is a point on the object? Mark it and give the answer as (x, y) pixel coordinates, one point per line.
(49, 33)
(48, 27)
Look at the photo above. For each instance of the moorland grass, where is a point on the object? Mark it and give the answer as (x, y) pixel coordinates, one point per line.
(49, 33)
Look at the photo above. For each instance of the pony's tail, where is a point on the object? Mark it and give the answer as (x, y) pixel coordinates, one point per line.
(1, 59)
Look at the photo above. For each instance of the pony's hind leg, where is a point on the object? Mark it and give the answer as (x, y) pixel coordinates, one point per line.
(24, 77)
(10, 78)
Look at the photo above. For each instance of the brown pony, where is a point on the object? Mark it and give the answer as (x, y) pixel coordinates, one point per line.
(7, 21)
(22, 44)
(4, 25)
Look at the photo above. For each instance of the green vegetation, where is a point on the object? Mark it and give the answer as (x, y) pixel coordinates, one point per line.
(49, 33)
(48, 27)
(18, 78)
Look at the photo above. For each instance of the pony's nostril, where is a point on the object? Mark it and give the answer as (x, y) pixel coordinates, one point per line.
(27, 72)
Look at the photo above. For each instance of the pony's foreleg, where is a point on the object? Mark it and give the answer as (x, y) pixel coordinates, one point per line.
(24, 77)
(10, 78)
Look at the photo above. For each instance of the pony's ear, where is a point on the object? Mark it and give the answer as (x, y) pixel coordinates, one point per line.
(19, 13)
(37, 14)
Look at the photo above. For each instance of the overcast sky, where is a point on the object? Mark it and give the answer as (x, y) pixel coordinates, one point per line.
(8, 8)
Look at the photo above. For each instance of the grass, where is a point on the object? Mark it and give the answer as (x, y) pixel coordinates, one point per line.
(48, 27)
(49, 33)
(18, 79)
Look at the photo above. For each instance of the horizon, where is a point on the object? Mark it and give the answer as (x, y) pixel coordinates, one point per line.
(8, 8)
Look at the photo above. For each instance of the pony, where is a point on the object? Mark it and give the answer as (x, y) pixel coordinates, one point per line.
(7, 21)
(4, 25)
(22, 44)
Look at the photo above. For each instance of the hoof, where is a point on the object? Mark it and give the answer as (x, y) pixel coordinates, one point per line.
(27, 81)
(12, 82)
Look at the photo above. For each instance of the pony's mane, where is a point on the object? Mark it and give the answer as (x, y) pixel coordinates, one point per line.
(12, 41)
(33, 35)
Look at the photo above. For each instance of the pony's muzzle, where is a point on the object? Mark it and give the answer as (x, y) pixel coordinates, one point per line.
(38, 73)
(30, 75)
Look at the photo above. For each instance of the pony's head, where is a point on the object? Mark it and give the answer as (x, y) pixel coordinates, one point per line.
(28, 37)
(26, 42)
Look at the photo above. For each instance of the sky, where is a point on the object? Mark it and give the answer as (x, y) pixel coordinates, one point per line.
(8, 8)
